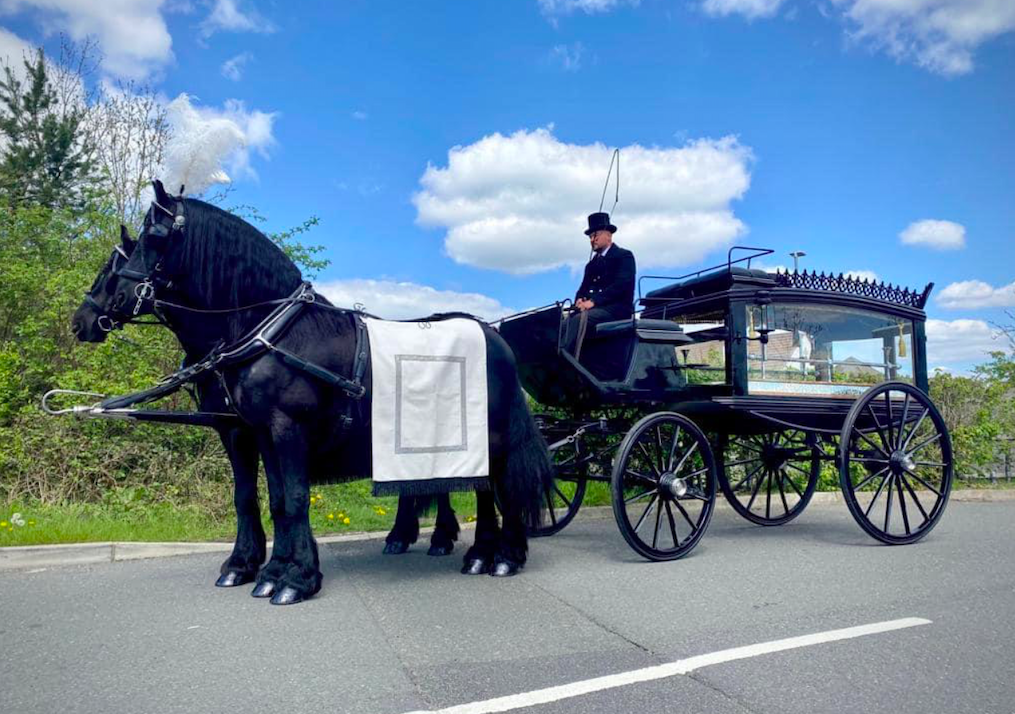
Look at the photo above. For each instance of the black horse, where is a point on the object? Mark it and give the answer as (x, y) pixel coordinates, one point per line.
(92, 323)
(204, 268)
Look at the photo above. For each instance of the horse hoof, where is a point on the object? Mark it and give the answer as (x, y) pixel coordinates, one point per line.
(439, 550)
(505, 569)
(287, 596)
(265, 589)
(476, 566)
(232, 579)
(395, 547)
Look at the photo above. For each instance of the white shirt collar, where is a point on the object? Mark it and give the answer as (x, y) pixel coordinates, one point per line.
(606, 250)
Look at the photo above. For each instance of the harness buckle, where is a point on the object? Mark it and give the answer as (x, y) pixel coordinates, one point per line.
(143, 291)
(105, 323)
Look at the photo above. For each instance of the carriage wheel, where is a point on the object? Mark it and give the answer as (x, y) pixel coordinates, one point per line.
(895, 463)
(663, 486)
(565, 496)
(769, 478)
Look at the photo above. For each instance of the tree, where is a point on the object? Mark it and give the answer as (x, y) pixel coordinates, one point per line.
(46, 158)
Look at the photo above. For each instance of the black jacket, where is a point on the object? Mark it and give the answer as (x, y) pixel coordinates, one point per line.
(609, 282)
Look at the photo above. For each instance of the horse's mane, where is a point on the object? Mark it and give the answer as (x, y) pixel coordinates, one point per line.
(230, 262)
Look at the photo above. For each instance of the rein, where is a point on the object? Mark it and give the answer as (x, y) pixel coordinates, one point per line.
(255, 343)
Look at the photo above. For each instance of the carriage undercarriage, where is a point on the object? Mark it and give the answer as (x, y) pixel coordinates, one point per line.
(668, 443)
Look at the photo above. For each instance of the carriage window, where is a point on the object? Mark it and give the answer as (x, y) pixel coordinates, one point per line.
(832, 351)
(705, 359)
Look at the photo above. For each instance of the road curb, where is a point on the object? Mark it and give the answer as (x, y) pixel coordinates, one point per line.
(27, 557)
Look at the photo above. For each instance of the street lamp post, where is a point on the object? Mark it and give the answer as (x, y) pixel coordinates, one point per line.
(797, 254)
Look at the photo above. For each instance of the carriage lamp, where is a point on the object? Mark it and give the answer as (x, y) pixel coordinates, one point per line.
(796, 255)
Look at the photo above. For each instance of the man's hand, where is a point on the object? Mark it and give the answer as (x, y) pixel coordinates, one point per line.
(584, 304)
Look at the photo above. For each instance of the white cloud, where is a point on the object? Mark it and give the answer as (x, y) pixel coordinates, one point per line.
(227, 16)
(208, 144)
(868, 275)
(939, 235)
(232, 68)
(398, 301)
(518, 203)
(938, 35)
(750, 9)
(360, 115)
(976, 293)
(566, 7)
(961, 341)
(132, 33)
(569, 56)
(13, 49)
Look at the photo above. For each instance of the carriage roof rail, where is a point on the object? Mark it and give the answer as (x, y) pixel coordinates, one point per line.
(756, 253)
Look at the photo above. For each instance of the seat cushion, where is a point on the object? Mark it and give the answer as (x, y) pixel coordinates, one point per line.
(623, 327)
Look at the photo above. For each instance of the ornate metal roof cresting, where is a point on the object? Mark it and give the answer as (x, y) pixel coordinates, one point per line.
(855, 286)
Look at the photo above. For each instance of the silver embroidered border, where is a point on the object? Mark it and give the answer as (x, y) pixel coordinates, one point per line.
(399, 449)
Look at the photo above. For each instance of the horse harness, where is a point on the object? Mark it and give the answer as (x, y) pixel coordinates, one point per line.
(259, 341)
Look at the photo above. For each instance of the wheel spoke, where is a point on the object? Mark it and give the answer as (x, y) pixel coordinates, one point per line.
(789, 480)
(888, 508)
(877, 423)
(909, 437)
(768, 495)
(902, 504)
(748, 477)
(739, 462)
(549, 507)
(645, 512)
(565, 499)
(687, 518)
(912, 494)
(891, 434)
(925, 442)
(936, 464)
(655, 531)
(649, 459)
(673, 447)
(782, 492)
(673, 525)
(754, 494)
(641, 495)
(685, 457)
(868, 460)
(659, 445)
(924, 483)
(864, 437)
(642, 477)
(902, 424)
(875, 497)
(869, 478)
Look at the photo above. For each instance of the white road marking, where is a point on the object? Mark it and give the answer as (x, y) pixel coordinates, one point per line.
(671, 669)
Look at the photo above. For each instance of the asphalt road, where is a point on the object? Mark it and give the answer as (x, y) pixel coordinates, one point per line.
(389, 635)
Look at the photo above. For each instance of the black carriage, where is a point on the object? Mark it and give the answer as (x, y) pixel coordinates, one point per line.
(755, 383)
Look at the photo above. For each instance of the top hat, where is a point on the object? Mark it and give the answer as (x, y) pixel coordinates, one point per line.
(600, 222)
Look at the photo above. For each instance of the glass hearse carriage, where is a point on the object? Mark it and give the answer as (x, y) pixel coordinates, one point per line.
(747, 381)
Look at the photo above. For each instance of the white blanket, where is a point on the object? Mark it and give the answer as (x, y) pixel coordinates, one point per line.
(429, 400)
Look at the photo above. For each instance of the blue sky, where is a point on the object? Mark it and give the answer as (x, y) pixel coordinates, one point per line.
(830, 127)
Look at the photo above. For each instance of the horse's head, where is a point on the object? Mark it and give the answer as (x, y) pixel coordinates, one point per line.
(152, 264)
(92, 321)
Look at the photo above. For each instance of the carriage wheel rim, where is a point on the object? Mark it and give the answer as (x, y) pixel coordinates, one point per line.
(663, 486)
(896, 463)
(769, 478)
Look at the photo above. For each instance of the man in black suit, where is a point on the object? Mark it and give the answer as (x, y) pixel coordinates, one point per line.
(607, 289)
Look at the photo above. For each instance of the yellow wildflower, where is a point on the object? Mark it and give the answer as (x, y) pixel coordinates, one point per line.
(345, 520)
(3, 524)
(331, 516)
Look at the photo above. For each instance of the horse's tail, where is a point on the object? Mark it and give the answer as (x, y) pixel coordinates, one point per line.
(528, 472)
